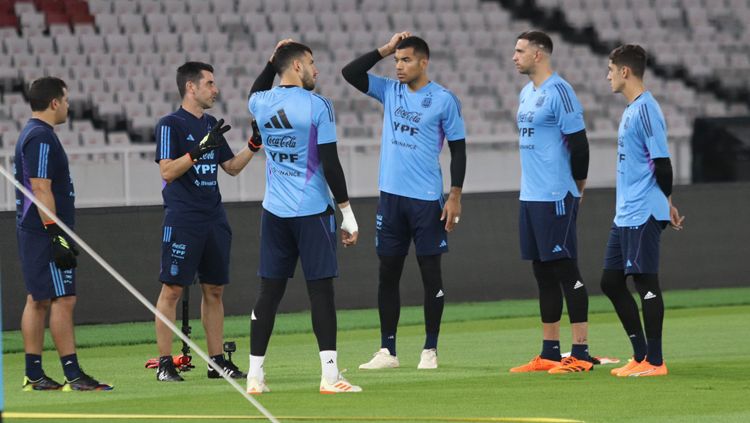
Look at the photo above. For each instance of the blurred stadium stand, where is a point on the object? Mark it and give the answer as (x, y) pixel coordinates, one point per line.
(119, 59)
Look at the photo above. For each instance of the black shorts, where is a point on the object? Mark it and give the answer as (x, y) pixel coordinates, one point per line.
(401, 219)
(200, 248)
(548, 229)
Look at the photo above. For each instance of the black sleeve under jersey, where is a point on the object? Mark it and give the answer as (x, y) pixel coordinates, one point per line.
(329, 159)
(663, 174)
(355, 72)
(578, 144)
(264, 81)
(458, 162)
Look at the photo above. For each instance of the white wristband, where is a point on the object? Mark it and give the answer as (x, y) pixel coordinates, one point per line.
(349, 222)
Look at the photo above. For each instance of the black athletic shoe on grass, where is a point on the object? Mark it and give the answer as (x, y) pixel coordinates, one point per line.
(229, 369)
(85, 382)
(44, 383)
(167, 372)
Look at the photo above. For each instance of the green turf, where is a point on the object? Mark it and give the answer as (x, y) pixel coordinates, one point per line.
(237, 326)
(706, 346)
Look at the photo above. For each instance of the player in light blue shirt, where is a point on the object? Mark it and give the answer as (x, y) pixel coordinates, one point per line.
(641, 141)
(293, 122)
(415, 126)
(554, 166)
(419, 115)
(547, 115)
(644, 208)
(298, 128)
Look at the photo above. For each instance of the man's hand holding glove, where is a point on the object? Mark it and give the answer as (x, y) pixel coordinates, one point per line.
(256, 140)
(63, 252)
(213, 140)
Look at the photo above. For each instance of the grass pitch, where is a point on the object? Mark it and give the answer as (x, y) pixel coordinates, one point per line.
(705, 345)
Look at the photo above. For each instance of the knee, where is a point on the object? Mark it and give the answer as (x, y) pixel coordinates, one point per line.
(646, 282)
(170, 294)
(322, 287)
(68, 302)
(612, 282)
(41, 306)
(271, 291)
(213, 293)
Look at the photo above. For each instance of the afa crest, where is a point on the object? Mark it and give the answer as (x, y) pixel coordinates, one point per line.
(426, 102)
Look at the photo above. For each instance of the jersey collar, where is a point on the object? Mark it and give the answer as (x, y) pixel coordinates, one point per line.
(190, 115)
(41, 122)
(546, 81)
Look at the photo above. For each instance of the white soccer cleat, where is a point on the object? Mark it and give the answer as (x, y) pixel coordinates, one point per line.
(339, 386)
(428, 360)
(381, 360)
(256, 387)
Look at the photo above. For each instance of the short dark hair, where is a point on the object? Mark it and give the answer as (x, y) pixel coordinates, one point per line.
(419, 45)
(632, 56)
(191, 71)
(286, 54)
(43, 91)
(539, 39)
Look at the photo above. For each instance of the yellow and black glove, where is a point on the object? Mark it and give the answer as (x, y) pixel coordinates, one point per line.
(64, 252)
(213, 140)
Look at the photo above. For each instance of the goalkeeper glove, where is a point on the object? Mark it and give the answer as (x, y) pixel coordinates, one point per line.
(63, 252)
(214, 139)
(256, 140)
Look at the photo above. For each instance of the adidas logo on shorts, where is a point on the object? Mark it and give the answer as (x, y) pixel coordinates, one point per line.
(649, 295)
(557, 249)
(577, 285)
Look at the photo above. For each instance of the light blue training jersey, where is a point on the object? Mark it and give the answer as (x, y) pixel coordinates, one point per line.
(292, 122)
(545, 116)
(642, 137)
(415, 124)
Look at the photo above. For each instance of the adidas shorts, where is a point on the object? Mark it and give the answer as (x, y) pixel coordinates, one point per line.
(311, 239)
(634, 249)
(548, 229)
(201, 248)
(401, 219)
(43, 280)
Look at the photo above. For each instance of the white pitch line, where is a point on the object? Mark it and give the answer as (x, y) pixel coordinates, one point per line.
(84, 416)
(137, 294)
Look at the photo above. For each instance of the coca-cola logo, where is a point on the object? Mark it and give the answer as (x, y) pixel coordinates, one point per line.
(410, 116)
(286, 141)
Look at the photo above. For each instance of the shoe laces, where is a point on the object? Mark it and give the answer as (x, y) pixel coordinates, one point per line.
(228, 365)
(340, 377)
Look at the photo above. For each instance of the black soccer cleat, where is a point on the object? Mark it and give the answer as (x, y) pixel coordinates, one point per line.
(44, 383)
(228, 368)
(85, 382)
(167, 372)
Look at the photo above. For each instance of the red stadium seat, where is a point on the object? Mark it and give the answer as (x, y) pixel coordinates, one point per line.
(53, 18)
(76, 7)
(50, 6)
(8, 21)
(82, 18)
(6, 8)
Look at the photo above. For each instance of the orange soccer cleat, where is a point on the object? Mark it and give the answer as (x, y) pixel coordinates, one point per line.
(538, 364)
(572, 365)
(646, 369)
